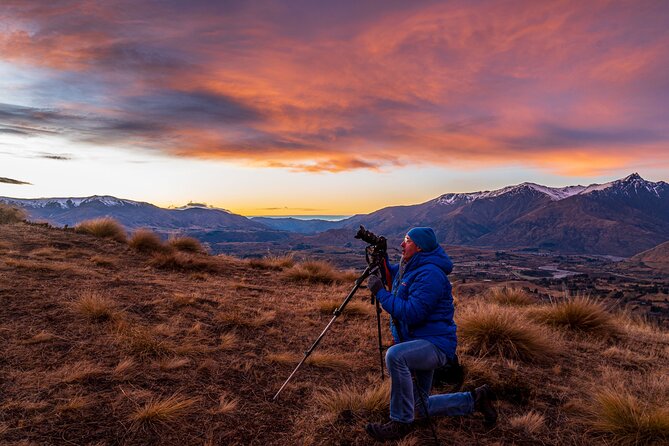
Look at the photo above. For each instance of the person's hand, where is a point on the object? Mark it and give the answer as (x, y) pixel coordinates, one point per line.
(374, 284)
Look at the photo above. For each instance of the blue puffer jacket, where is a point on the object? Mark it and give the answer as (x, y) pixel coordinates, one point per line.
(421, 301)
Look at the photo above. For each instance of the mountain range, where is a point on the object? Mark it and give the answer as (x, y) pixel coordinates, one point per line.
(619, 218)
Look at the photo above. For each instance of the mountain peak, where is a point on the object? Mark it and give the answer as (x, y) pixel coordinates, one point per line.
(633, 177)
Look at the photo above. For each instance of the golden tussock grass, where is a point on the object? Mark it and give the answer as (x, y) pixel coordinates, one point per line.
(351, 309)
(184, 299)
(173, 363)
(143, 342)
(273, 262)
(249, 317)
(103, 261)
(227, 404)
(146, 241)
(510, 296)
(95, 307)
(313, 271)
(79, 371)
(187, 244)
(10, 214)
(530, 423)
(372, 399)
(620, 416)
(74, 404)
(579, 314)
(42, 336)
(178, 261)
(229, 341)
(125, 370)
(316, 359)
(40, 266)
(491, 329)
(161, 411)
(104, 228)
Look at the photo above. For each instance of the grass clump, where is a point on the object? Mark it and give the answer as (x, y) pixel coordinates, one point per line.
(187, 244)
(159, 411)
(146, 241)
(105, 227)
(579, 314)
(141, 342)
(313, 271)
(351, 309)
(275, 263)
(177, 261)
(10, 214)
(530, 423)
(95, 307)
(495, 330)
(317, 359)
(510, 296)
(372, 399)
(618, 414)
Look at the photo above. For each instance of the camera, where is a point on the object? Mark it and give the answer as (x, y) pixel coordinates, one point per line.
(378, 245)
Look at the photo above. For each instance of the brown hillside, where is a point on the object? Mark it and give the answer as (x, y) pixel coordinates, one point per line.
(105, 345)
(656, 258)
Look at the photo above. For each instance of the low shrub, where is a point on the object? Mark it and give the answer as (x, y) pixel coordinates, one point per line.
(105, 227)
(187, 244)
(579, 314)
(495, 330)
(10, 214)
(146, 241)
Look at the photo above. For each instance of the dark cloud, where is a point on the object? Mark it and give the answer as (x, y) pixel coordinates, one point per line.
(12, 181)
(55, 157)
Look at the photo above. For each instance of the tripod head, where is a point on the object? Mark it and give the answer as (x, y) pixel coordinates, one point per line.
(376, 249)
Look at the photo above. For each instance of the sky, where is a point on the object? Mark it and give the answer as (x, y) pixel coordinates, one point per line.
(321, 107)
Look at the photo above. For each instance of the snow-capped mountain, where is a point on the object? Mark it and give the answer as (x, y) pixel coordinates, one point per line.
(69, 203)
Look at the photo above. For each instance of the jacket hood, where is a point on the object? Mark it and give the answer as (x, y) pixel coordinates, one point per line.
(437, 257)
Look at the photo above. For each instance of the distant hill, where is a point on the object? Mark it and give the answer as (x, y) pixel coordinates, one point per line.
(618, 218)
(656, 258)
(189, 219)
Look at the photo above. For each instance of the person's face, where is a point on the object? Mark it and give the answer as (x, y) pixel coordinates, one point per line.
(409, 248)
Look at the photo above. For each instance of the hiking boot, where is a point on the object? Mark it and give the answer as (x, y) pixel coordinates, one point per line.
(392, 430)
(483, 402)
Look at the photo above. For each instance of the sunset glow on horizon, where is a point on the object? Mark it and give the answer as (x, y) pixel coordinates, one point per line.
(305, 107)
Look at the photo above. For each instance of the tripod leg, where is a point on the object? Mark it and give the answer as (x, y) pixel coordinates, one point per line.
(378, 327)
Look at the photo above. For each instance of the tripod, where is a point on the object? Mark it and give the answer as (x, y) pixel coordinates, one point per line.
(368, 271)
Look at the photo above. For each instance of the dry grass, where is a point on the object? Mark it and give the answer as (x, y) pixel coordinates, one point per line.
(184, 299)
(249, 317)
(146, 241)
(42, 336)
(178, 261)
(351, 309)
(142, 342)
(10, 214)
(106, 262)
(229, 341)
(161, 411)
(95, 307)
(530, 423)
(227, 404)
(74, 404)
(313, 271)
(78, 372)
(495, 330)
(373, 399)
(104, 228)
(187, 244)
(617, 414)
(579, 314)
(272, 262)
(316, 359)
(510, 296)
(173, 363)
(125, 370)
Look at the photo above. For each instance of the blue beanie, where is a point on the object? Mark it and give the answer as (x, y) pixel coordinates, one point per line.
(424, 238)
